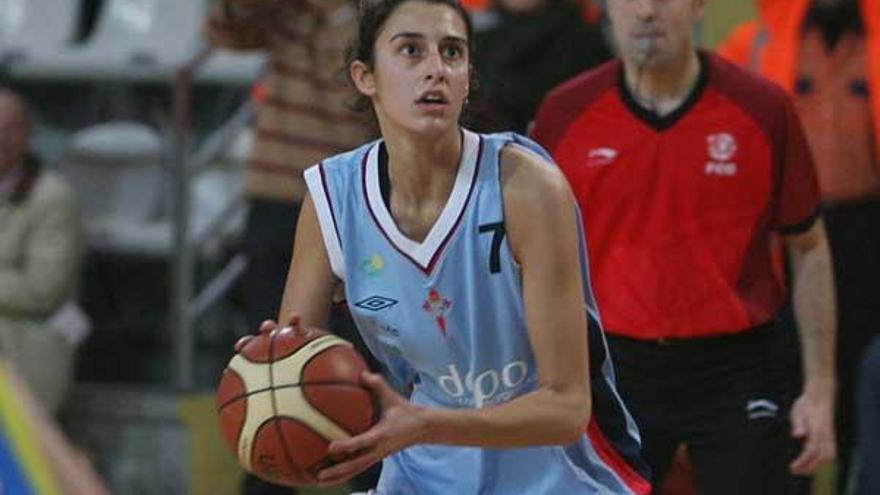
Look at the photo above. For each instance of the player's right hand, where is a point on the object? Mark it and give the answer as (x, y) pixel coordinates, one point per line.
(266, 327)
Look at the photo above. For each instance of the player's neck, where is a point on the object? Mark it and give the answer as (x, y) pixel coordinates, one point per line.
(663, 88)
(423, 168)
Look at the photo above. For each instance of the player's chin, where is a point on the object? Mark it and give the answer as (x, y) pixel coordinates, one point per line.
(436, 128)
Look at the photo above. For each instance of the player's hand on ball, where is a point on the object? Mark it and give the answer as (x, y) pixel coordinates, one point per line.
(266, 327)
(400, 427)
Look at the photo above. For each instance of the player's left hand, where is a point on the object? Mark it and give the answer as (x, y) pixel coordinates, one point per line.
(812, 420)
(401, 426)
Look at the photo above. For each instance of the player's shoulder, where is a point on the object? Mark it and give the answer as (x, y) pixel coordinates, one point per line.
(530, 179)
(744, 87)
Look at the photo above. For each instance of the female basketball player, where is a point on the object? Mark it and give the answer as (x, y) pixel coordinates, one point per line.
(463, 267)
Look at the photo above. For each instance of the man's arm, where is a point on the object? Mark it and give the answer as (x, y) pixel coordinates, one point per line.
(815, 312)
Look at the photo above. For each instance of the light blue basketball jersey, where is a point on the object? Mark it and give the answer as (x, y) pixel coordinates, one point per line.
(446, 318)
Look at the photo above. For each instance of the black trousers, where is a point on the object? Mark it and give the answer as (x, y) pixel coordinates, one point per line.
(727, 398)
(854, 235)
(268, 244)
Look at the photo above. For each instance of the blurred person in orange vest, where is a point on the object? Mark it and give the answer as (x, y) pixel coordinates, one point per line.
(827, 54)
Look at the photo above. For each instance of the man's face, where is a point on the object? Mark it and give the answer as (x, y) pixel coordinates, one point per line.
(653, 33)
(14, 133)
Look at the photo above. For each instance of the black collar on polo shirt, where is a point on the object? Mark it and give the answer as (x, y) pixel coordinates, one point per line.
(652, 118)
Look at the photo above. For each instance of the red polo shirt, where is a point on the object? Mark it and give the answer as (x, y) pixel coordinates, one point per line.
(680, 211)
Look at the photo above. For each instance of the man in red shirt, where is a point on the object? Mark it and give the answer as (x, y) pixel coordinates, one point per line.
(688, 170)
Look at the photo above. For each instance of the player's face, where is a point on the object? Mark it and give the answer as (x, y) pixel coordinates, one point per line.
(13, 134)
(421, 71)
(654, 33)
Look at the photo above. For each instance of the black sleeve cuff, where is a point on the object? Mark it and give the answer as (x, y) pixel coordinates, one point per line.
(802, 226)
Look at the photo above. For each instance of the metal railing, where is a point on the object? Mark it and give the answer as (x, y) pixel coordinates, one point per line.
(186, 306)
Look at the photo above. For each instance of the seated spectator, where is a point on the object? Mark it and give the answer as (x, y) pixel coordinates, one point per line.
(526, 48)
(40, 255)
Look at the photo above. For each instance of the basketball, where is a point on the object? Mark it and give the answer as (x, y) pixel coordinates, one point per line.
(285, 396)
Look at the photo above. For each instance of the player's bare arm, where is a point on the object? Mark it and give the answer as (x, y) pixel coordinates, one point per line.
(815, 309)
(308, 292)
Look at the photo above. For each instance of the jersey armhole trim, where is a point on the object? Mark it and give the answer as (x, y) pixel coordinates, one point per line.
(317, 184)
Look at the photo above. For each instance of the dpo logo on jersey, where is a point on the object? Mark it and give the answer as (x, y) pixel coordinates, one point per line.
(438, 306)
(486, 388)
(722, 147)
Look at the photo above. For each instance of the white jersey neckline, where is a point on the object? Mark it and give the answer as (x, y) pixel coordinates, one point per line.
(423, 253)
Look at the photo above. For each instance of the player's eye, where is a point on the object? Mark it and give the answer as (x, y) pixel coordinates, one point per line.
(452, 51)
(410, 50)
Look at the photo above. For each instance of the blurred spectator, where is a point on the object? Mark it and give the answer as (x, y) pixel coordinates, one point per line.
(525, 49)
(40, 256)
(819, 50)
(301, 118)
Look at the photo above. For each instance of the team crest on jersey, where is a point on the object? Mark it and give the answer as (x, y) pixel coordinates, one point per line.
(438, 306)
(722, 148)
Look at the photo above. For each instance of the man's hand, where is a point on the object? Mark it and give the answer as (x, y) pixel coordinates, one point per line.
(812, 420)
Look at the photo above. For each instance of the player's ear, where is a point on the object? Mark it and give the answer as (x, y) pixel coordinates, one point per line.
(363, 78)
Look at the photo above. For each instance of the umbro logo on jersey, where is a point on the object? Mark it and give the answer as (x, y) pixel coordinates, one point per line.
(721, 148)
(375, 303)
(598, 157)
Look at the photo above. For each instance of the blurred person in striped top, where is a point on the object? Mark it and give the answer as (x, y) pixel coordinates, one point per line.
(302, 116)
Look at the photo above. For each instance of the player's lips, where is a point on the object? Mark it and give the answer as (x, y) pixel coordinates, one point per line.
(433, 99)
